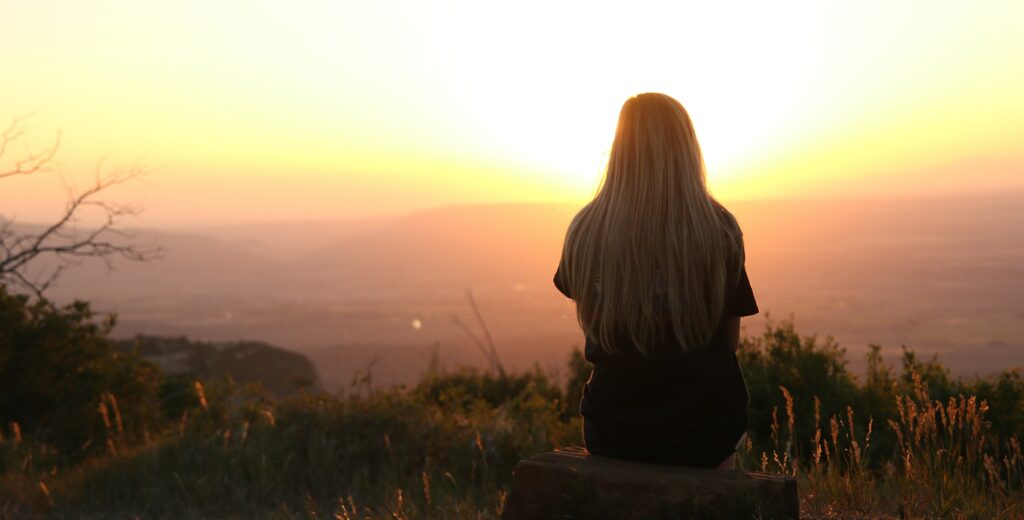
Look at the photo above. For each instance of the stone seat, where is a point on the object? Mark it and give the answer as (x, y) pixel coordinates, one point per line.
(571, 483)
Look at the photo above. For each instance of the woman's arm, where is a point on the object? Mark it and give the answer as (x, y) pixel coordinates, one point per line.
(732, 331)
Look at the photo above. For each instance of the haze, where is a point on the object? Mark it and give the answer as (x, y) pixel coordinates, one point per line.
(333, 176)
(263, 111)
(937, 275)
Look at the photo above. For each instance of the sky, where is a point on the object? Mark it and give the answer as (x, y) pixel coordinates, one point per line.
(243, 111)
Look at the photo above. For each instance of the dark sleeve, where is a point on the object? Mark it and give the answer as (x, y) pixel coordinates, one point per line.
(741, 301)
(560, 283)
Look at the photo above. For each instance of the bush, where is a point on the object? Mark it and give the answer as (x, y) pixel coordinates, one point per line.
(466, 387)
(63, 382)
(781, 363)
(910, 443)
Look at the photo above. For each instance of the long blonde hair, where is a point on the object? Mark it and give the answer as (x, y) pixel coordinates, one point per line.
(652, 231)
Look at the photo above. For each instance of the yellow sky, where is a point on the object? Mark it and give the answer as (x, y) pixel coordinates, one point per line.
(255, 110)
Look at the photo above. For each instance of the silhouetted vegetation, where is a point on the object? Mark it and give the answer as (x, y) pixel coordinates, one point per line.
(33, 257)
(813, 372)
(65, 385)
(904, 442)
(246, 362)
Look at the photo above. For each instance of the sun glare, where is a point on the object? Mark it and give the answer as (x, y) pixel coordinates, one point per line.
(435, 103)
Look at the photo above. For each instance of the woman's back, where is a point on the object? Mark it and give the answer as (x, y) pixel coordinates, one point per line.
(656, 268)
(668, 406)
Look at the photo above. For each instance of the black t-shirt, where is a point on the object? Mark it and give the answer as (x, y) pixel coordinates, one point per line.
(683, 399)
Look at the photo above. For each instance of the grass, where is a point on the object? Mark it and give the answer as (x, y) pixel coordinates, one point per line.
(948, 463)
(446, 448)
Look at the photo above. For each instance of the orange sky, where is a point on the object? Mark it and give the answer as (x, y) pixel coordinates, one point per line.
(249, 110)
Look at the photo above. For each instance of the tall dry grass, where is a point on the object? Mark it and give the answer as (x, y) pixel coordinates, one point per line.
(947, 464)
(446, 448)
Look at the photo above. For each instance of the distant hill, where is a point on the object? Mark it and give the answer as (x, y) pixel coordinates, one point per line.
(289, 239)
(192, 265)
(941, 275)
(278, 371)
(461, 246)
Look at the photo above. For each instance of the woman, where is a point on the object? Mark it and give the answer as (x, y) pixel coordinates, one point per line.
(656, 268)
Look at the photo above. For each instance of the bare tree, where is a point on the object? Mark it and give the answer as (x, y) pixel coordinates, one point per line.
(485, 345)
(33, 257)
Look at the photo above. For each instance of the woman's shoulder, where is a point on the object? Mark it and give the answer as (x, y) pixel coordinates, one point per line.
(727, 217)
(730, 225)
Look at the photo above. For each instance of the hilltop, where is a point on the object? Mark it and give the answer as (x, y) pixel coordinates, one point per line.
(278, 371)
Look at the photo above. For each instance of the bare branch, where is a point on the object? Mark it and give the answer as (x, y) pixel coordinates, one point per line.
(487, 333)
(28, 284)
(11, 134)
(488, 349)
(63, 241)
(476, 341)
(32, 162)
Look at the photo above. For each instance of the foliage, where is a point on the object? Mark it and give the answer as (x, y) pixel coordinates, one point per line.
(246, 362)
(579, 375)
(899, 444)
(63, 382)
(389, 451)
(468, 387)
(806, 367)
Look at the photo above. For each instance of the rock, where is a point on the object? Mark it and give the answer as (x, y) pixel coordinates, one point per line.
(571, 483)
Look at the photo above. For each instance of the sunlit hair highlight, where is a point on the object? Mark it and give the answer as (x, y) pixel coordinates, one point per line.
(652, 233)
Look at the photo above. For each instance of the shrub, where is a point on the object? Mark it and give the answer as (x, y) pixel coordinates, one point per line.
(63, 382)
